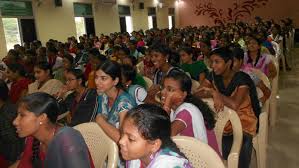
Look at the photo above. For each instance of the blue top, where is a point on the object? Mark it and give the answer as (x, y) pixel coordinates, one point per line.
(123, 102)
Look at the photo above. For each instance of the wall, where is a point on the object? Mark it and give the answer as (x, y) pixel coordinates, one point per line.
(3, 50)
(54, 22)
(58, 22)
(194, 12)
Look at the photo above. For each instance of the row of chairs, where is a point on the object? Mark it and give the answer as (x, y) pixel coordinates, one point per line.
(200, 154)
(102, 148)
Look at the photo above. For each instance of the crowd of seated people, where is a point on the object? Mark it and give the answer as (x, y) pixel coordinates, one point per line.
(102, 79)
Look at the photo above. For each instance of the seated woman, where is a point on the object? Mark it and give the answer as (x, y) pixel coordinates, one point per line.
(147, 67)
(81, 102)
(19, 87)
(197, 69)
(115, 102)
(11, 145)
(189, 115)
(238, 56)
(44, 81)
(255, 59)
(205, 48)
(161, 58)
(95, 60)
(237, 91)
(47, 144)
(146, 142)
(132, 61)
(137, 92)
(68, 63)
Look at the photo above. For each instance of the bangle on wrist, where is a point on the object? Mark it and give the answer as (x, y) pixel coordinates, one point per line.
(166, 108)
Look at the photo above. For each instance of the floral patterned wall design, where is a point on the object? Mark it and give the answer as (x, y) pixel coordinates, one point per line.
(239, 10)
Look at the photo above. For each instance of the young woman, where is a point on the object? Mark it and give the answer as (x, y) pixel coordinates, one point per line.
(237, 91)
(238, 56)
(132, 61)
(197, 69)
(11, 145)
(205, 48)
(95, 60)
(189, 115)
(276, 34)
(255, 59)
(137, 92)
(44, 81)
(148, 67)
(19, 87)
(146, 142)
(238, 39)
(161, 59)
(47, 144)
(115, 101)
(81, 102)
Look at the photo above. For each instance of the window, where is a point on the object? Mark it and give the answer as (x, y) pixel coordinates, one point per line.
(169, 22)
(124, 10)
(150, 22)
(126, 23)
(80, 26)
(18, 22)
(84, 19)
(152, 18)
(129, 24)
(11, 32)
(171, 18)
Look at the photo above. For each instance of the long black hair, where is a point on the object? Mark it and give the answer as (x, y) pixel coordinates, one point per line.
(17, 68)
(113, 69)
(173, 57)
(186, 85)
(225, 53)
(259, 51)
(153, 123)
(78, 73)
(3, 91)
(43, 65)
(40, 103)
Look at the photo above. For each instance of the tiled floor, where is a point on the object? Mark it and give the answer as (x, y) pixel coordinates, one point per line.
(283, 148)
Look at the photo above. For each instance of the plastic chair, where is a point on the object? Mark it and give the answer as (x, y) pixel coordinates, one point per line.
(200, 155)
(148, 81)
(99, 144)
(195, 86)
(222, 118)
(273, 99)
(61, 116)
(260, 140)
(140, 67)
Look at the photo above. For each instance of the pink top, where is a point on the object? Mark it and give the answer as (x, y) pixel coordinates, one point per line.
(185, 117)
(262, 63)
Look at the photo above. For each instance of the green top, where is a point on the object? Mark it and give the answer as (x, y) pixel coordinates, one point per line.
(139, 81)
(195, 69)
(59, 75)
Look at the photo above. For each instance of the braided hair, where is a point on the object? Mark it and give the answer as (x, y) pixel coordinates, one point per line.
(153, 123)
(186, 85)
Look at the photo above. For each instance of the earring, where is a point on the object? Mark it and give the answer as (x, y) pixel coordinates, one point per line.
(152, 156)
(167, 60)
(40, 123)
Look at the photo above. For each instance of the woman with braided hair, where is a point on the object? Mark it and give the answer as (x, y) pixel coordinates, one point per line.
(146, 142)
(48, 145)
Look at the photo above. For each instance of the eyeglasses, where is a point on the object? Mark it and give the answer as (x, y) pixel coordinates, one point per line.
(69, 80)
